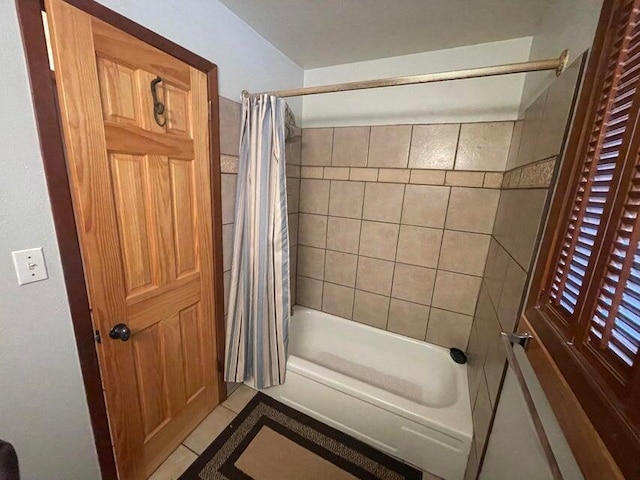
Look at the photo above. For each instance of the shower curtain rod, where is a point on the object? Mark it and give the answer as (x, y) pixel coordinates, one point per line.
(557, 64)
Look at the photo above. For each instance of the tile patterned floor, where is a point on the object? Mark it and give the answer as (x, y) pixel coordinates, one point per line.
(173, 466)
(203, 435)
(206, 432)
(239, 399)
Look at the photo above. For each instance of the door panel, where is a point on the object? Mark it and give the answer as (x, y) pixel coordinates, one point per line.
(183, 218)
(128, 173)
(161, 208)
(150, 379)
(177, 101)
(142, 203)
(118, 85)
(192, 332)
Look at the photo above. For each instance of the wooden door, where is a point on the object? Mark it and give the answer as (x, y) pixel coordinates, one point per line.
(142, 202)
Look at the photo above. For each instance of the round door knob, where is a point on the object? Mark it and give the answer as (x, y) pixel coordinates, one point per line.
(120, 332)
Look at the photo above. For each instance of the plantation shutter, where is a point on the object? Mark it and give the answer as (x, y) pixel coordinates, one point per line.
(584, 303)
(594, 185)
(594, 291)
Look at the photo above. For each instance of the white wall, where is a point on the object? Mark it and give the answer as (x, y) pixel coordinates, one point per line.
(42, 401)
(43, 409)
(473, 100)
(567, 24)
(245, 60)
(514, 432)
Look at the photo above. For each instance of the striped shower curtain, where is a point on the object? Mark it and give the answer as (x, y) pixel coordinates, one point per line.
(259, 296)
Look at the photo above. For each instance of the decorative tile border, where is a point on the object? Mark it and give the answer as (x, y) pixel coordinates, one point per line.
(453, 178)
(456, 178)
(428, 177)
(336, 173)
(493, 180)
(391, 175)
(533, 175)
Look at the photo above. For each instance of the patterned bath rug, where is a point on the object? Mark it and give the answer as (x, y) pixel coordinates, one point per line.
(271, 441)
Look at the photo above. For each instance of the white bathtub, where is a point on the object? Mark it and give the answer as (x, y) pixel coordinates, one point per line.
(405, 397)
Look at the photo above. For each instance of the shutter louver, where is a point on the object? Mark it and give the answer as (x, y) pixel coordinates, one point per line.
(615, 325)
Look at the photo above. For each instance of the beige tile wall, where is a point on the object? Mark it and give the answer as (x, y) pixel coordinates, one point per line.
(475, 146)
(536, 144)
(292, 155)
(229, 116)
(395, 222)
(229, 140)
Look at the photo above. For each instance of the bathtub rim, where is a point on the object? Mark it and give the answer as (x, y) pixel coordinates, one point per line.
(455, 418)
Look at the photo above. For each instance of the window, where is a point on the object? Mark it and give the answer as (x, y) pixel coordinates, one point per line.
(586, 286)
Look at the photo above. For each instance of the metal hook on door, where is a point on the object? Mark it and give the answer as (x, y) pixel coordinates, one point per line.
(158, 106)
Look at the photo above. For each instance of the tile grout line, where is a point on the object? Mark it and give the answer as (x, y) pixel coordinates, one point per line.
(433, 290)
(326, 250)
(409, 150)
(366, 163)
(324, 263)
(435, 184)
(333, 138)
(364, 194)
(406, 224)
(455, 155)
(466, 274)
(437, 268)
(190, 449)
(395, 256)
(495, 305)
(385, 296)
(526, 270)
(325, 254)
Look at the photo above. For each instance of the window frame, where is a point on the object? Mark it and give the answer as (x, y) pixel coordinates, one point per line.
(599, 398)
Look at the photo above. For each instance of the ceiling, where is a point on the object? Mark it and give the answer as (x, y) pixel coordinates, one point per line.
(319, 33)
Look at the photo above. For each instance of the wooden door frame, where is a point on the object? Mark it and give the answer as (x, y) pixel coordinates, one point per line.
(51, 139)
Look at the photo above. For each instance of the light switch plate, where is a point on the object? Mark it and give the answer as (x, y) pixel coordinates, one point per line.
(29, 265)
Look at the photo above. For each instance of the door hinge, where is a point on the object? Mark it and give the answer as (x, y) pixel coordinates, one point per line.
(97, 336)
(220, 365)
(210, 108)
